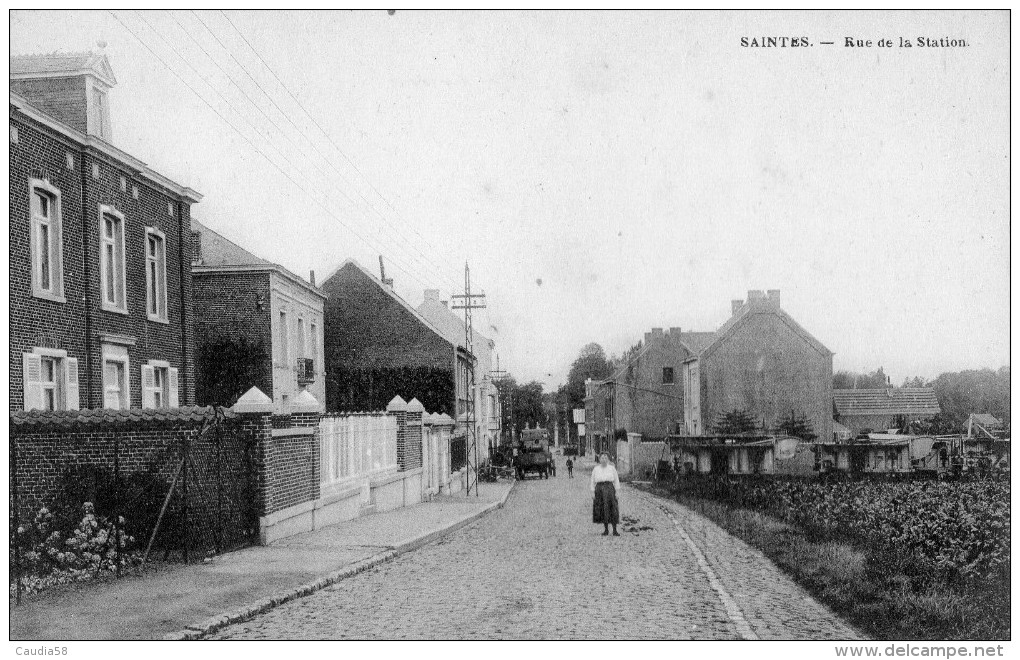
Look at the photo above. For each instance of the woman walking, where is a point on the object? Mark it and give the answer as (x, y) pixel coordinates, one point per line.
(605, 483)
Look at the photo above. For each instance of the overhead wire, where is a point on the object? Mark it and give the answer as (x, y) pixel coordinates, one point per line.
(421, 262)
(424, 259)
(328, 137)
(252, 144)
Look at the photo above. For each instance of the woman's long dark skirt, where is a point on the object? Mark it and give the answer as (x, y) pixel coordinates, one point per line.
(604, 509)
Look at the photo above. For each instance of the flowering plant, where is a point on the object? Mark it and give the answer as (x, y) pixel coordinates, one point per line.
(51, 556)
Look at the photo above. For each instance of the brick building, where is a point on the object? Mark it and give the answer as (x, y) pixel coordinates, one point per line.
(377, 346)
(256, 324)
(100, 250)
(645, 395)
(762, 362)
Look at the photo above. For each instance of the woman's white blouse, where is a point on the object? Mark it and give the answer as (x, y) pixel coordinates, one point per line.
(607, 473)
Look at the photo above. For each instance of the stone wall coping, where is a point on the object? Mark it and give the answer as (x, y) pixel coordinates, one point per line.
(294, 430)
(396, 404)
(194, 415)
(304, 402)
(253, 401)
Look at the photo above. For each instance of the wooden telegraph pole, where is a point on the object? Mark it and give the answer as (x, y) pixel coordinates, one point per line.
(470, 302)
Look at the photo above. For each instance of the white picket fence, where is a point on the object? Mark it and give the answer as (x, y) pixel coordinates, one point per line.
(356, 446)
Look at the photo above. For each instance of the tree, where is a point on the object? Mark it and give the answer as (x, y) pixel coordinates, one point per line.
(735, 422)
(522, 405)
(797, 426)
(973, 391)
(230, 366)
(590, 363)
(849, 380)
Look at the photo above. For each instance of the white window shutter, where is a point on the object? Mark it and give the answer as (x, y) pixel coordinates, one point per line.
(172, 387)
(148, 385)
(32, 380)
(71, 384)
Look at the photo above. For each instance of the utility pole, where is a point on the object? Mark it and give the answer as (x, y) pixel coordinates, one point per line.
(470, 302)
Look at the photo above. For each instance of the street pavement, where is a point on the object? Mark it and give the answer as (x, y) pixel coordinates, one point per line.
(539, 569)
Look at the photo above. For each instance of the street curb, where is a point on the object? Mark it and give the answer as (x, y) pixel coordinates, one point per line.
(199, 630)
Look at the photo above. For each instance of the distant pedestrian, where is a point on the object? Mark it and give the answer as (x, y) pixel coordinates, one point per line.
(605, 483)
(570, 468)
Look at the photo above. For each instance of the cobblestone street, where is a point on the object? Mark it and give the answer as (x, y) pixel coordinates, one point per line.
(539, 569)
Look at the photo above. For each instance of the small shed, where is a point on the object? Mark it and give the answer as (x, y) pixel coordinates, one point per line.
(741, 454)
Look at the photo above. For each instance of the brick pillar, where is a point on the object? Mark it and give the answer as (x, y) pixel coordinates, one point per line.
(413, 435)
(305, 411)
(398, 409)
(255, 410)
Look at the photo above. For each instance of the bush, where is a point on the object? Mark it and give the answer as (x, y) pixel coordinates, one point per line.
(51, 555)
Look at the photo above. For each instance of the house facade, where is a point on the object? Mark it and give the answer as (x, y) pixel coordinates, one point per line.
(256, 325)
(646, 395)
(763, 363)
(377, 347)
(868, 410)
(487, 405)
(100, 251)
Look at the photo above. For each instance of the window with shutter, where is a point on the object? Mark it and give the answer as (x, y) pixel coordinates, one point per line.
(148, 387)
(71, 384)
(32, 365)
(116, 392)
(173, 395)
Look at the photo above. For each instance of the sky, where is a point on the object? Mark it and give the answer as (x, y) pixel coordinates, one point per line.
(601, 173)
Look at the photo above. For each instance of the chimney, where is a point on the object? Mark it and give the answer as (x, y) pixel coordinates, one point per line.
(773, 295)
(648, 338)
(71, 87)
(735, 306)
(755, 296)
(388, 283)
(657, 333)
(674, 333)
(311, 277)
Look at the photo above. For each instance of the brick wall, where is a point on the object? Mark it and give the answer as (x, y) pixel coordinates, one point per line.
(36, 321)
(74, 325)
(214, 504)
(292, 471)
(232, 309)
(409, 441)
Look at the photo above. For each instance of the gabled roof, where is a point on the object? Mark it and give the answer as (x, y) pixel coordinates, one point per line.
(748, 310)
(891, 401)
(697, 341)
(694, 342)
(217, 250)
(392, 294)
(219, 254)
(56, 65)
(984, 419)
